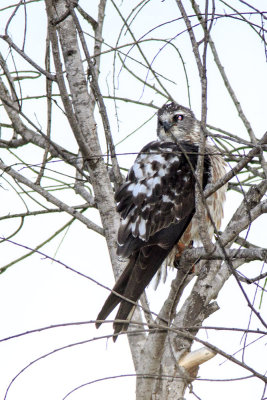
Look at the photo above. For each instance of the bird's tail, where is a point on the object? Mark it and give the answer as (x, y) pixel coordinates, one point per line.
(143, 265)
(146, 265)
(136, 276)
(113, 300)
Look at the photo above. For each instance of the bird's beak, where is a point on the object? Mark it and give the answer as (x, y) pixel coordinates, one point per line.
(167, 126)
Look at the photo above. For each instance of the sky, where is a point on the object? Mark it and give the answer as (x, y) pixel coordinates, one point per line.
(38, 293)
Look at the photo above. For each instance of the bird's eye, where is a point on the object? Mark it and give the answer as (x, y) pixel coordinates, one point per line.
(178, 117)
(160, 122)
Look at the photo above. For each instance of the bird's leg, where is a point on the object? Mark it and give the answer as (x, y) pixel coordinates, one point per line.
(180, 249)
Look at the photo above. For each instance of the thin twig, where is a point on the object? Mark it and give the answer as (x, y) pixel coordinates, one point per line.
(49, 197)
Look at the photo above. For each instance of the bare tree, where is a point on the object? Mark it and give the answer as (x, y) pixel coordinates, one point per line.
(67, 145)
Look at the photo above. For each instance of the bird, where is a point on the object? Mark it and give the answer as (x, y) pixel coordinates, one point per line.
(156, 204)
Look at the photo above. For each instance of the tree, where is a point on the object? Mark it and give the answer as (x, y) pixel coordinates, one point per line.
(77, 173)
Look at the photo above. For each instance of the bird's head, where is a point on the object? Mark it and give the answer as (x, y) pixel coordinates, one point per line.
(177, 122)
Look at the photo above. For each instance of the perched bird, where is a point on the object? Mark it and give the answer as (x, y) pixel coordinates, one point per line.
(157, 205)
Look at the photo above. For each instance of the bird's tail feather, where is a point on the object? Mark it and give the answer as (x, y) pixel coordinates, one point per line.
(142, 266)
(147, 263)
(113, 300)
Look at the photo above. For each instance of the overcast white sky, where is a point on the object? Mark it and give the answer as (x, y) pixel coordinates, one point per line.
(38, 293)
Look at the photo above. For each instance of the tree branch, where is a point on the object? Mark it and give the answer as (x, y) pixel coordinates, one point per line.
(49, 197)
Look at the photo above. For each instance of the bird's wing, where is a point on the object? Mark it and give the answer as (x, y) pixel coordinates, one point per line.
(159, 191)
(156, 204)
